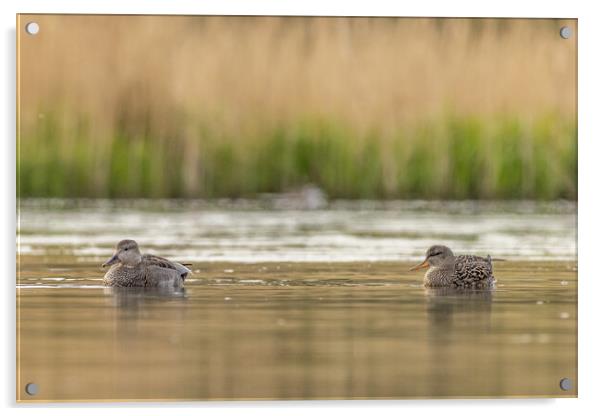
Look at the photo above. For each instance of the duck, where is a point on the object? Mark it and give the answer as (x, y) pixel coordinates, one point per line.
(130, 268)
(445, 269)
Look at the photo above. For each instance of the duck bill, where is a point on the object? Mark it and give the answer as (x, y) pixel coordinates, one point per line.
(422, 265)
(111, 261)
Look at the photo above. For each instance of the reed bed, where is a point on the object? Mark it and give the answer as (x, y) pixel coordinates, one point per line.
(145, 106)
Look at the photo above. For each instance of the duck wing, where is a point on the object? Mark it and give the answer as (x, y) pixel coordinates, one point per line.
(156, 261)
(473, 270)
(473, 259)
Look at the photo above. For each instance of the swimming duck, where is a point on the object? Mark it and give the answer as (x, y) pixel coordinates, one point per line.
(449, 270)
(130, 268)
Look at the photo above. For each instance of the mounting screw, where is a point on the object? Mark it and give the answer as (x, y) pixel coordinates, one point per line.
(565, 32)
(32, 28)
(566, 384)
(31, 389)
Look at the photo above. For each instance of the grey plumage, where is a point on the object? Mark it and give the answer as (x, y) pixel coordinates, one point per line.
(129, 268)
(464, 271)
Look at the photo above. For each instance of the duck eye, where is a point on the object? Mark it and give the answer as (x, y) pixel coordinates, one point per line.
(126, 249)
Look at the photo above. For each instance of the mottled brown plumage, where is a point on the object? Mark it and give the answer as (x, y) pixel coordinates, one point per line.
(448, 270)
(129, 268)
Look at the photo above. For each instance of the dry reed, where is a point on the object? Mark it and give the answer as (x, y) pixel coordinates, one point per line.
(231, 106)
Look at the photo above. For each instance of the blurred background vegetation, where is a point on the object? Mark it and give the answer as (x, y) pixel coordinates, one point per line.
(144, 106)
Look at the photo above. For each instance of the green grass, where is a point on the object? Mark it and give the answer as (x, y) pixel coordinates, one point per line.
(453, 157)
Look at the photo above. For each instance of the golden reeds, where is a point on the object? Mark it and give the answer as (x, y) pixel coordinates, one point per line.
(363, 107)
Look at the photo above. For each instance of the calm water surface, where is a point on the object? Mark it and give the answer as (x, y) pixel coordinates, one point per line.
(291, 304)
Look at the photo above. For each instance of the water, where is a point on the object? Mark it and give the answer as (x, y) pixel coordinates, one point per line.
(253, 231)
(292, 304)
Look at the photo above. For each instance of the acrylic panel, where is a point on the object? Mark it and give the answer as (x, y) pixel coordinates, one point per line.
(270, 208)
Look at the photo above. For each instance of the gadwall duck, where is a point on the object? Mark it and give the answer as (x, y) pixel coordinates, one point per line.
(129, 268)
(448, 270)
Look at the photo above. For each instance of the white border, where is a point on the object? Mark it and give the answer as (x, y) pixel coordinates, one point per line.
(590, 209)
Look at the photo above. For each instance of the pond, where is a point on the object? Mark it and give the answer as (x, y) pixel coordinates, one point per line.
(288, 303)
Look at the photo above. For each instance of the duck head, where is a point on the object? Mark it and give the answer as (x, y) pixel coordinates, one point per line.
(126, 252)
(436, 256)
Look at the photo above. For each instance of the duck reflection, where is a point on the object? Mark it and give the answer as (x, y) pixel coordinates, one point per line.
(134, 298)
(459, 323)
(452, 307)
(146, 316)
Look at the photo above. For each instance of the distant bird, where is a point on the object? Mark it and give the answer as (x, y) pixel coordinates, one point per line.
(308, 197)
(129, 268)
(448, 270)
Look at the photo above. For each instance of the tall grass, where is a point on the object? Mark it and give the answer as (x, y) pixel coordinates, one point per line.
(234, 106)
